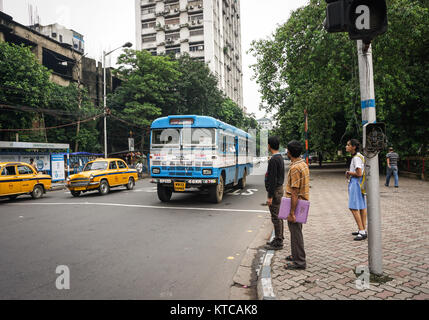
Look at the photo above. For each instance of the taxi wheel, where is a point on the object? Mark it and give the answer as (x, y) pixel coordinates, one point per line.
(37, 192)
(164, 193)
(75, 193)
(104, 188)
(12, 197)
(130, 184)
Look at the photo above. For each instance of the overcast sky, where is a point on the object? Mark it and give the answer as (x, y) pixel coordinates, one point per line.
(107, 24)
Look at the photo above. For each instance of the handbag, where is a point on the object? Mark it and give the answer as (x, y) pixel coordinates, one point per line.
(301, 211)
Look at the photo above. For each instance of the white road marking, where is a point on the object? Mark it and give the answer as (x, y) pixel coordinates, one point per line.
(133, 206)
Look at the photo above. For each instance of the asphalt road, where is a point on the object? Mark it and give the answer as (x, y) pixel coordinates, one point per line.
(127, 245)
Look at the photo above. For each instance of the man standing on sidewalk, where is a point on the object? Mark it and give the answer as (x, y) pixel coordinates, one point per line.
(392, 167)
(297, 188)
(274, 185)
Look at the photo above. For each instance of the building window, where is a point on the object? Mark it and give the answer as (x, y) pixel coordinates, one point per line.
(172, 21)
(172, 36)
(172, 51)
(195, 48)
(196, 19)
(196, 32)
(148, 10)
(150, 38)
(61, 38)
(148, 25)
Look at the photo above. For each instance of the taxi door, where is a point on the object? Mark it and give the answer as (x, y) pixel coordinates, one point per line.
(123, 169)
(9, 180)
(28, 178)
(113, 176)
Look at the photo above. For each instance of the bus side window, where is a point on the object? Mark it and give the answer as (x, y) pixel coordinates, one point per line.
(224, 144)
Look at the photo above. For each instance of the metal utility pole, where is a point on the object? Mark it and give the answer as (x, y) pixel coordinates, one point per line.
(126, 45)
(306, 136)
(366, 79)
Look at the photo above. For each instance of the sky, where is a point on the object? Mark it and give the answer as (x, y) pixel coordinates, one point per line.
(108, 24)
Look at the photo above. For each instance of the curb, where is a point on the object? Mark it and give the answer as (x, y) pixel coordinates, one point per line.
(56, 187)
(264, 285)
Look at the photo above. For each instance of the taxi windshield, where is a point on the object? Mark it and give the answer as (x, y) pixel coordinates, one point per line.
(99, 165)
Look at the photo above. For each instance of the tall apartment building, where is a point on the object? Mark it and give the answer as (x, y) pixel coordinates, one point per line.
(208, 30)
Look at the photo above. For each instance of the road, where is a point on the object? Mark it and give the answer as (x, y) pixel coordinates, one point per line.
(127, 245)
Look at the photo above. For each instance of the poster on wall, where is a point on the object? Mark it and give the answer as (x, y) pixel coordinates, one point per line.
(43, 162)
(58, 167)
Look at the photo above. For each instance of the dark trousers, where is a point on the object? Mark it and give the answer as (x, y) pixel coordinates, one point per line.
(297, 243)
(274, 210)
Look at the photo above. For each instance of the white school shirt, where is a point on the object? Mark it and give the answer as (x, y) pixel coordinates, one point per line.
(356, 163)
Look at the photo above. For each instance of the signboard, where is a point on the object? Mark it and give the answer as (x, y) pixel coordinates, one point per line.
(30, 145)
(131, 144)
(58, 173)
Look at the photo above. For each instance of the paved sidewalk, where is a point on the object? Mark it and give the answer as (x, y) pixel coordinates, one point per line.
(332, 255)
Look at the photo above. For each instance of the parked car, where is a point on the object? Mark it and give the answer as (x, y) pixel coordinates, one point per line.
(101, 175)
(19, 178)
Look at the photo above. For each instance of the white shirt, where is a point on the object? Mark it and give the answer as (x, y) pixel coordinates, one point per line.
(356, 163)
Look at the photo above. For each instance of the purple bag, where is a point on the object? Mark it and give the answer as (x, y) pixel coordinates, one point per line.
(301, 211)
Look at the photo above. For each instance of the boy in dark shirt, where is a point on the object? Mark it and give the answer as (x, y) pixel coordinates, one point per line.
(274, 179)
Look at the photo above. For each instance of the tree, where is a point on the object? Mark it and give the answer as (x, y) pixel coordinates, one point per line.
(198, 89)
(302, 67)
(64, 106)
(25, 86)
(23, 82)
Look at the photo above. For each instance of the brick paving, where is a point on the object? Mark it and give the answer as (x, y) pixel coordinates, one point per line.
(332, 255)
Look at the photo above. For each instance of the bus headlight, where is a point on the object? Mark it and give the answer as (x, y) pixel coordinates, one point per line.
(156, 170)
(207, 172)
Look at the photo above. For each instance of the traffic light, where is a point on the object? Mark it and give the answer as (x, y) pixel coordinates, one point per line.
(336, 14)
(374, 138)
(362, 19)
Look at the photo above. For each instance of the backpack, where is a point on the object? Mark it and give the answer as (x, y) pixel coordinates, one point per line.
(362, 183)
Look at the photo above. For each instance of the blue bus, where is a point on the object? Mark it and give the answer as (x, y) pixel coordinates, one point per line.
(198, 152)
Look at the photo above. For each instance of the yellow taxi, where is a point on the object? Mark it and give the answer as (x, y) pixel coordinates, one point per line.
(101, 175)
(18, 178)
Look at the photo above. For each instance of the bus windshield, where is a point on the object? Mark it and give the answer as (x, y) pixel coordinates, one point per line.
(99, 165)
(195, 137)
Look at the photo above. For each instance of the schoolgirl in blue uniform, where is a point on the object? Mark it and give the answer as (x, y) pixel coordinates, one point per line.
(357, 201)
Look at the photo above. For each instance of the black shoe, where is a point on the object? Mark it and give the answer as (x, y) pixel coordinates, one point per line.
(386, 185)
(289, 258)
(396, 186)
(274, 246)
(355, 233)
(361, 237)
(293, 266)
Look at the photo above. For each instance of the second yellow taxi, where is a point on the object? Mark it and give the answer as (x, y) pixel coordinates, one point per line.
(101, 175)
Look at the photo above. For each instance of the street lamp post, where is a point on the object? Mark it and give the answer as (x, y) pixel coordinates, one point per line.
(126, 45)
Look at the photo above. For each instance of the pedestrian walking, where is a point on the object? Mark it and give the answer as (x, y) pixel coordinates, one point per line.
(274, 179)
(297, 188)
(392, 167)
(355, 175)
(139, 168)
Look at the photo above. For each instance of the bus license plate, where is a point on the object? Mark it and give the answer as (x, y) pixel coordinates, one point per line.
(179, 186)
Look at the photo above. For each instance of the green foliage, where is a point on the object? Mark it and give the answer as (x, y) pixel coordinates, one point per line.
(25, 82)
(302, 67)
